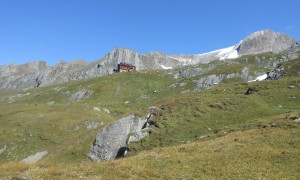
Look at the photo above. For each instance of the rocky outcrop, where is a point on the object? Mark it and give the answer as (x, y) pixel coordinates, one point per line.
(111, 142)
(212, 80)
(82, 94)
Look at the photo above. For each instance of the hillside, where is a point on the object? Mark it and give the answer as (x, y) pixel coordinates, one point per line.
(47, 118)
(202, 131)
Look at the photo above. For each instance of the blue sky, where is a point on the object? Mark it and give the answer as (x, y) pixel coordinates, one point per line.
(54, 30)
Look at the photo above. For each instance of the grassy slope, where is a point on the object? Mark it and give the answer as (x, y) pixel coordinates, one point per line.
(252, 154)
(30, 125)
(216, 133)
(220, 110)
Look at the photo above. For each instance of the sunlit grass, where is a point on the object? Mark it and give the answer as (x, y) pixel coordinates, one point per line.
(220, 133)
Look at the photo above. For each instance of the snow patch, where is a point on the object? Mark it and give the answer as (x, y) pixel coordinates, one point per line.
(260, 78)
(165, 67)
(228, 53)
(233, 55)
(222, 54)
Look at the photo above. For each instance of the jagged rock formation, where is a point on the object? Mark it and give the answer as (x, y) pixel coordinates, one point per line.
(36, 74)
(111, 142)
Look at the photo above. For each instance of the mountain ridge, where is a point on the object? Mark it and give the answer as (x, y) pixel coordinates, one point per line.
(38, 73)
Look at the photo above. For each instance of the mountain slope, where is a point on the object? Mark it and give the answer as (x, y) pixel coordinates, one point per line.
(218, 133)
(264, 41)
(36, 74)
(56, 114)
(51, 119)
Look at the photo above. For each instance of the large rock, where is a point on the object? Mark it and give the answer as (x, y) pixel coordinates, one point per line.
(111, 142)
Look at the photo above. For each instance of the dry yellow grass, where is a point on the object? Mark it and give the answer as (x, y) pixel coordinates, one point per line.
(272, 153)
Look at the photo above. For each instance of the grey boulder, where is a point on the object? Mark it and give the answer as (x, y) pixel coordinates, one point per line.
(111, 142)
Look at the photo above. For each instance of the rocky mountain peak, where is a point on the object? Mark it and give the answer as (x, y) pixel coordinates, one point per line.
(265, 41)
(121, 54)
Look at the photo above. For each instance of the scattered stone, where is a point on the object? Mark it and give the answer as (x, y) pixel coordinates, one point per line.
(77, 128)
(291, 87)
(182, 84)
(274, 125)
(106, 110)
(173, 86)
(13, 98)
(96, 109)
(152, 108)
(19, 178)
(56, 89)
(50, 103)
(201, 137)
(2, 150)
(250, 90)
(185, 91)
(262, 126)
(144, 97)
(93, 124)
(34, 158)
(127, 102)
(82, 94)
